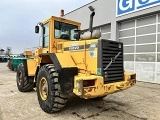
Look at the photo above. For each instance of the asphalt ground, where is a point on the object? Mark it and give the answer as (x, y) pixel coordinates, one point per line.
(141, 102)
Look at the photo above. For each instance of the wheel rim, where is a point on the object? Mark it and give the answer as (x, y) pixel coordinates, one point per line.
(20, 78)
(43, 88)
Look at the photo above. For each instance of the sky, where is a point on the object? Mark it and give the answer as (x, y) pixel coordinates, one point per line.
(19, 17)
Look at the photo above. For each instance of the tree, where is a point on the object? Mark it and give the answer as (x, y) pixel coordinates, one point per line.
(8, 51)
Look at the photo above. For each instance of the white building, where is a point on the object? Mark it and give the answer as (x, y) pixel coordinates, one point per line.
(136, 23)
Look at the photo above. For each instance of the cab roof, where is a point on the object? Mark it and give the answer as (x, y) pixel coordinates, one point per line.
(61, 19)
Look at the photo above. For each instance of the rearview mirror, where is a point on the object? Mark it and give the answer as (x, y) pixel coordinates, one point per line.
(36, 29)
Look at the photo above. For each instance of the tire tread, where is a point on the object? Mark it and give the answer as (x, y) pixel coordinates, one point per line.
(26, 86)
(58, 99)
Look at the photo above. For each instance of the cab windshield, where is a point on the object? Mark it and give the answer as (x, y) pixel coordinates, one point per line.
(64, 30)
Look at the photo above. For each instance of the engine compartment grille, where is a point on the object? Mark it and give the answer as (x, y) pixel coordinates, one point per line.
(111, 60)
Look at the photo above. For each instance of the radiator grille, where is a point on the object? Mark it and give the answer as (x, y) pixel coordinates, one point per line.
(114, 71)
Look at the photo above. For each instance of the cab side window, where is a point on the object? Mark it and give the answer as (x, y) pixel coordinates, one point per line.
(46, 35)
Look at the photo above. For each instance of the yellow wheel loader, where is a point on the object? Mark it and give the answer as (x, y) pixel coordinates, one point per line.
(70, 61)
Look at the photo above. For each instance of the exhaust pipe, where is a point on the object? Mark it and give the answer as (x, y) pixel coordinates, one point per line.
(91, 20)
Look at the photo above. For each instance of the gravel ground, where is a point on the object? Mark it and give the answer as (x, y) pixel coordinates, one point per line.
(141, 102)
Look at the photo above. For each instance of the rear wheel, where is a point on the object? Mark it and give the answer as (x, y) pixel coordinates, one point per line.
(23, 84)
(50, 96)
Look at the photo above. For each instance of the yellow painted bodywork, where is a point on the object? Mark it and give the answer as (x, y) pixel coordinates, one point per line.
(65, 60)
(100, 89)
(80, 58)
(31, 66)
(92, 66)
(28, 53)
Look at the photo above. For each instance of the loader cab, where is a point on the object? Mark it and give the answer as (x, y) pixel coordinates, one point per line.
(54, 30)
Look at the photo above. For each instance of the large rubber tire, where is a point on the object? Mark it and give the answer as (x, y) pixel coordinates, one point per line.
(49, 94)
(22, 80)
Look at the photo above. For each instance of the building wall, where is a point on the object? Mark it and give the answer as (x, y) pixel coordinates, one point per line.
(1, 52)
(139, 31)
(105, 14)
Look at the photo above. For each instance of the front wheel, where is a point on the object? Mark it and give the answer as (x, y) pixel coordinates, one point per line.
(50, 96)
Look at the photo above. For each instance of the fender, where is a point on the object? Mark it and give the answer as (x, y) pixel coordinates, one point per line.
(66, 68)
(29, 78)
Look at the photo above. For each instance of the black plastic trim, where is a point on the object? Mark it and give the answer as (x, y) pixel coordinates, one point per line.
(54, 59)
(66, 79)
(25, 67)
